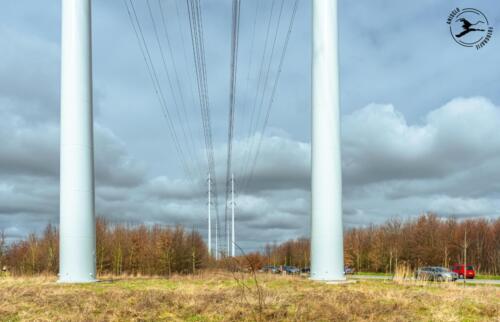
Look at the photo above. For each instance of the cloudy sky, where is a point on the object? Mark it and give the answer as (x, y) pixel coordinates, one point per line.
(420, 126)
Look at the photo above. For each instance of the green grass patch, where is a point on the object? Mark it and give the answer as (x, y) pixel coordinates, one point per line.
(488, 277)
(373, 274)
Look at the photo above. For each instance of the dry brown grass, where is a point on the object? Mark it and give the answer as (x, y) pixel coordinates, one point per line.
(216, 296)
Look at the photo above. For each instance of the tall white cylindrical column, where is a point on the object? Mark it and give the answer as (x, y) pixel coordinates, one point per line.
(77, 221)
(327, 250)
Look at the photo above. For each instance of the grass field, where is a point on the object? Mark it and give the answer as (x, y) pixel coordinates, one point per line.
(215, 296)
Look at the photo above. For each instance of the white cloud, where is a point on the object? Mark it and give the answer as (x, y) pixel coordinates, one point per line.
(445, 205)
(379, 144)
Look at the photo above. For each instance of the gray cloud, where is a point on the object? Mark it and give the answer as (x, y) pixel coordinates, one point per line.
(31, 90)
(415, 149)
(27, 149)
(391, 167)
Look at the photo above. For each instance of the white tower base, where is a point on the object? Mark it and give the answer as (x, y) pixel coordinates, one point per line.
(327, 250)
(77, 222)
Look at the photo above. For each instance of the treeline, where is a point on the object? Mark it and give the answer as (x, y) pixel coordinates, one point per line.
(159, 250)
(120, 249)
(427, 240)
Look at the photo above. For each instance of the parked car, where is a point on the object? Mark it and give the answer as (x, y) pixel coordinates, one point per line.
(438, 274)
(306, 270)
(469, 271)
(349, 270)
(270, 269)
(291, 270)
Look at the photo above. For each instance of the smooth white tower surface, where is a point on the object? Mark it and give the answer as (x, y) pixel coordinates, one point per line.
(77, 221)
(327, 249)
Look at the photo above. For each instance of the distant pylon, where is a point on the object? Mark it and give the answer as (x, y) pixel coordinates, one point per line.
(216, 239)
(228, 241)
(233, 240)
(209, 215)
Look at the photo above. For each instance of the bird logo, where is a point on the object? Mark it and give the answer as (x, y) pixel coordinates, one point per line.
(467, 27)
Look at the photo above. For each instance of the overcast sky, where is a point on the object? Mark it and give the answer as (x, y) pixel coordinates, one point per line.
(420, 116)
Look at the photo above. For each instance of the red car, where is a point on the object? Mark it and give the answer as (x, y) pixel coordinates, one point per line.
(459, 269)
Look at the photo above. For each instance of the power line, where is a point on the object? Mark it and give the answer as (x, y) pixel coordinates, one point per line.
(197, 41)
(246, 159)
(179, 87)
(232, 100)
(185, 56)
(262, 60)
(182, 121)
(266, 79)
(273, 93)
(250, 57)
(260, 102)
(136, 26)
(245, 106)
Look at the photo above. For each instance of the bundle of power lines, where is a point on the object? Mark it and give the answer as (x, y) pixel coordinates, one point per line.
(262, 101)
(264, 95)
(263, 71)
(175, 110)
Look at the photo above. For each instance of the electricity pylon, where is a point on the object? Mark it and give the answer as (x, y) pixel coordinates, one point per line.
(233, 241)
(209, 215)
